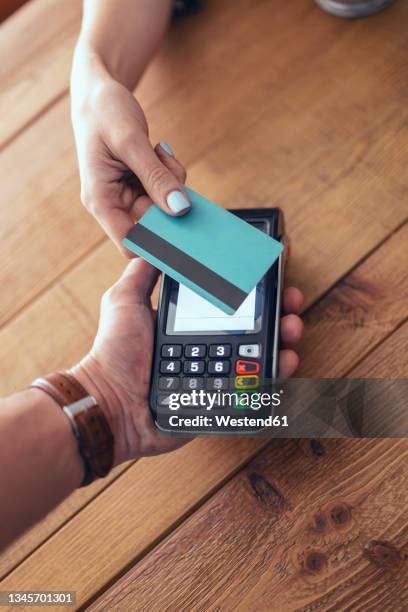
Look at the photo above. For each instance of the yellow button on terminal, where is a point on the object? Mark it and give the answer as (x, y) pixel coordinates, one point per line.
(246, 382)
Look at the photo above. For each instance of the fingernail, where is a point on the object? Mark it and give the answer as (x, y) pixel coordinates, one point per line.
(177, 202)
(166, 148)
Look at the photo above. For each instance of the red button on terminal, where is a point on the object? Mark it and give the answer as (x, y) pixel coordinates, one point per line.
(244, 366)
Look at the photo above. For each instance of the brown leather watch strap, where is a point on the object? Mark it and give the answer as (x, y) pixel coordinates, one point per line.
(62, 387)
(88, 422)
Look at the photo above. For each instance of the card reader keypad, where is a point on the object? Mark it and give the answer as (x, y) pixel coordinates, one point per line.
(219, 367)
(169, 383)
(193, 382)
(193, 351)
(170, 367)
(218, 383)
(194, 367)
(213, 367)
(220, 351)
(171, 351)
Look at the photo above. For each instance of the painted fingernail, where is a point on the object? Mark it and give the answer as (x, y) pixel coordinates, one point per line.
(177, 202)
(166, 148)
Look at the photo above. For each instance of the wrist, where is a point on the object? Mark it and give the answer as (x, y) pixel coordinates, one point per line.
(88, 75)
(92, 67)
(88, 373)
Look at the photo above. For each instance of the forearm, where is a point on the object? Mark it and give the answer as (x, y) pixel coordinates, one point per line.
(118, 39)
(39, 459)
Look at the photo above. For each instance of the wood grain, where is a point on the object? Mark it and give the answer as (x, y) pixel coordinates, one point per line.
(74, 304)
(48, 230)
(328, 162)
(36, 46)
(50, 188)
(305, 526)
(350, 349)
(294, 530)
(277, 104)
(58, 328)
(358, 313)
(388, 359)
(316, 148)
(35, 70)
(40, 346)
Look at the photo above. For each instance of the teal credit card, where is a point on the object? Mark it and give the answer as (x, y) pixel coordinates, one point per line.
(210, 250)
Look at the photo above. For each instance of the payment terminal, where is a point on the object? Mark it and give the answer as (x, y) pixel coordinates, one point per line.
(198, 346)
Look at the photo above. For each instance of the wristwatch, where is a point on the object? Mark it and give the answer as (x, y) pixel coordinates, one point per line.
(89, 424)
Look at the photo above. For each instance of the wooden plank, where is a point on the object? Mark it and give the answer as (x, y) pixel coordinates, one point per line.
(50, 185)
(358, 313)
(385, 361)
(36, 46)
(43, 227)
(36, 73)
(8, 7)
(298, 528)
(62, 548)
(317, 149)
(294, 530)
(250, 168)
(55, 329)
(331, 188)
(388, 360)
(252, 157)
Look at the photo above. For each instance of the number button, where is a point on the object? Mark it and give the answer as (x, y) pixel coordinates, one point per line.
(220, 350)
(164, 400)
(167, 383)
(193, 383)
(195, 350)
(215, 384)
(170, 367)
(194, 367)
(172, 351)
(219, 367)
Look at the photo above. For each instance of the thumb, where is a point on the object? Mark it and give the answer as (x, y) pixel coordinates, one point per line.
(139, 278)
(160, 184)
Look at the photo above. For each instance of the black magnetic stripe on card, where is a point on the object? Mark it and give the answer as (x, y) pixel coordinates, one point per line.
(193, 270)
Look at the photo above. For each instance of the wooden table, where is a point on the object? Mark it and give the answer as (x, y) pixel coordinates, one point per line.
(267, 103)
